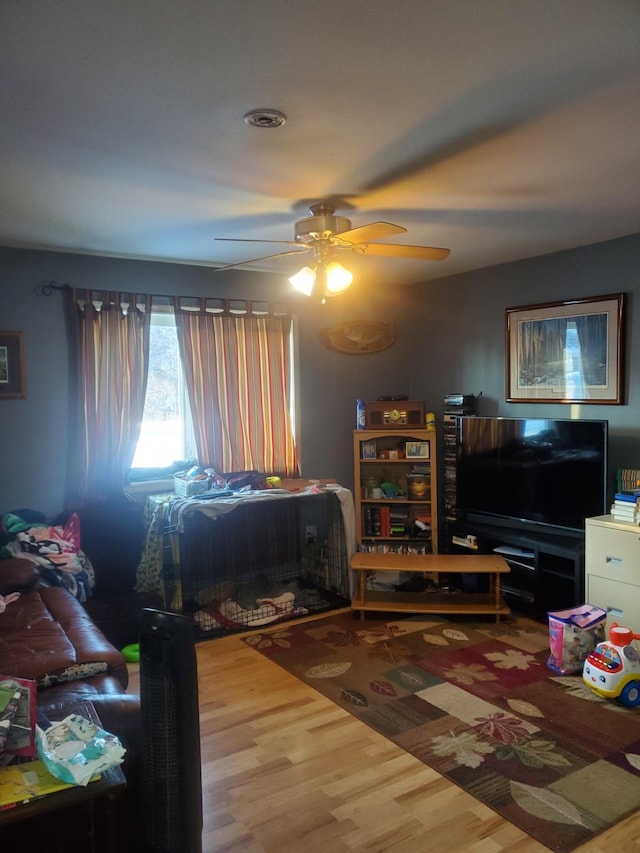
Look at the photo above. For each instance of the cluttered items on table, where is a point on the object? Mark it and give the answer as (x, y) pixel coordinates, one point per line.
(17, 718)
(39, 757)
(78, 750)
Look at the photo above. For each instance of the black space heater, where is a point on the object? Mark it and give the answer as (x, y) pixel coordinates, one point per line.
(170, 724)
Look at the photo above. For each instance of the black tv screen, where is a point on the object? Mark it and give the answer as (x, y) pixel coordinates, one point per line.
(538, 471)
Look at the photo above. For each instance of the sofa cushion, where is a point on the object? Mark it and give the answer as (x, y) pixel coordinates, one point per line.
(48, 636)
(17, 575)
(92, 688)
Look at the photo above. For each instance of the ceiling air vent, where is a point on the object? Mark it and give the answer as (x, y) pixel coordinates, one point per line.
(265, 118)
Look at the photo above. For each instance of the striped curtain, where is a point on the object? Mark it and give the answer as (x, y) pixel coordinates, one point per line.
(237, 372)
(110, 359)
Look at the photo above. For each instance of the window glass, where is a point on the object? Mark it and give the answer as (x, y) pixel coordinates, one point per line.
(166, 435)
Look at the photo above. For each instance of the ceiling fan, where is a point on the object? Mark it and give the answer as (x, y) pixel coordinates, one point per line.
(327, 236)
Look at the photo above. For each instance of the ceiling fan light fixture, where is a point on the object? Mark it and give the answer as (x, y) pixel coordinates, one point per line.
(304, 280)
(326, 235)
(338, 279)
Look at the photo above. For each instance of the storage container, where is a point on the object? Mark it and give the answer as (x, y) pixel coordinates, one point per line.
(184, 488)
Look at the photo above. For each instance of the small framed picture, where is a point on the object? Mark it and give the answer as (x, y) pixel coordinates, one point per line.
(11, 366)
(369, 450)
(417, 450)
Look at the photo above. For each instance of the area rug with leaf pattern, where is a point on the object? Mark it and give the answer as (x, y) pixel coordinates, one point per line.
(477, 702)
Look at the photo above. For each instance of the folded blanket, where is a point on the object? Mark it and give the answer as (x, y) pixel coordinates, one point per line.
(56, 549)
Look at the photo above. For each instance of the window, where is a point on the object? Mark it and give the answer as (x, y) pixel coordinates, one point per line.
(574, 360)
(166, 435)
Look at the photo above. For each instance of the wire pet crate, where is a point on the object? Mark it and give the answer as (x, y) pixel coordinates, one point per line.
(261, 563)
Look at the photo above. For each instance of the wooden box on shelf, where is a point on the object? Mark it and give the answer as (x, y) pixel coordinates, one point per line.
(394, 415)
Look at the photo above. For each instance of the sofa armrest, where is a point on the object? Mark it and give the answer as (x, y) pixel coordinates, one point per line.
(17, 575)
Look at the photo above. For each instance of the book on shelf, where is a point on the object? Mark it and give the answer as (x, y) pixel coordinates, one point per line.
(387, 548)
(630, 496)
(422, 514)
(385, 521)
(629, 513)
(624, 520)
(616, 510)
(627, 478)
(368, 521)
(421, 468)
(621, 506)
(631, 509)
(381, 521)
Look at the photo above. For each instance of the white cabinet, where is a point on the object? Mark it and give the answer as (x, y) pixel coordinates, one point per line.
(612, 566)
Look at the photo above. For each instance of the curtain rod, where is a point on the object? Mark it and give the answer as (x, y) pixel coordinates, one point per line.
(217, 304)
(46, 288)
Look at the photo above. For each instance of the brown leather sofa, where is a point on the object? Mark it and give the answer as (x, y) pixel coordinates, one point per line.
(48, 636)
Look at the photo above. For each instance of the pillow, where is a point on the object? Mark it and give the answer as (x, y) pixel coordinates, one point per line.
(73, 672)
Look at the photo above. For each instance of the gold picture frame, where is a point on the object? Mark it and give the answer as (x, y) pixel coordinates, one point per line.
(565, 352)
(12, 384)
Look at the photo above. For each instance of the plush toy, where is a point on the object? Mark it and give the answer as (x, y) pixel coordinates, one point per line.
(8, 599)
(390, 490)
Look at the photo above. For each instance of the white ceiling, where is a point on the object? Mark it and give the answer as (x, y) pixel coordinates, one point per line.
(501, 129)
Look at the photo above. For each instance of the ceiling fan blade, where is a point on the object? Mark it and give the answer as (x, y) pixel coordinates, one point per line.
(394, 250)
(302, 251)
(249, 240)
(373, 231)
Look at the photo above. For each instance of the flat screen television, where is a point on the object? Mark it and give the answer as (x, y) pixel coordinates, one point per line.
(535, 471)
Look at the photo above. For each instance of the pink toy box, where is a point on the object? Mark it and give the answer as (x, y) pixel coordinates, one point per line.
(573, 633)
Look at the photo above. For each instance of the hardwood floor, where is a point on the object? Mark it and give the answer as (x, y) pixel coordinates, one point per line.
(284, 770)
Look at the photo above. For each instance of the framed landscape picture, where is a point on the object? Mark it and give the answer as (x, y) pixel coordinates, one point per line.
(565, 352)
(11, 366)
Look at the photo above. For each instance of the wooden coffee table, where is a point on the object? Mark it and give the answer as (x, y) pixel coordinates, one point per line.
(489, 603)
(87, 814)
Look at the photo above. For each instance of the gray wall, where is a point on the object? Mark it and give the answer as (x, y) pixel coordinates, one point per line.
(450, 339)
(34, 433)
(462, 336)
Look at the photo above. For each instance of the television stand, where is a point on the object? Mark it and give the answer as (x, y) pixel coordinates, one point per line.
(547, 564)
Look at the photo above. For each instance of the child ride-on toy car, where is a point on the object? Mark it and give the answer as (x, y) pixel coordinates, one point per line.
(612, 670)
